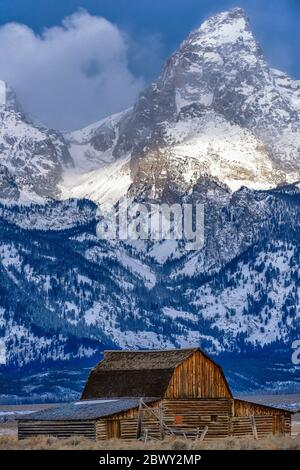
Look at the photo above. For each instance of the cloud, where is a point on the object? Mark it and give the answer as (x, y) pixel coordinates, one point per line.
(72, 74)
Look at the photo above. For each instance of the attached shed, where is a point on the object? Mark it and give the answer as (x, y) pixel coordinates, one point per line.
(133, 393)
(94, 419)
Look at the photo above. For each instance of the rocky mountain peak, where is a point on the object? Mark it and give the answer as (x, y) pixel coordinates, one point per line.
(225, 27)
(8, 99)
(218, 65)
(32, 156)
(217, 111)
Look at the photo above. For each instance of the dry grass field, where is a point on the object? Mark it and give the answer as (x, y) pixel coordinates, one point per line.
(48, 443)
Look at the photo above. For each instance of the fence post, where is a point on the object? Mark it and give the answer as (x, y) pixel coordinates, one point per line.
(253, 426)
(139, 420)
(161, 421)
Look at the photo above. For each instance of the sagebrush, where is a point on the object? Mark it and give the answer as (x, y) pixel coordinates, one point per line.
(79, 443)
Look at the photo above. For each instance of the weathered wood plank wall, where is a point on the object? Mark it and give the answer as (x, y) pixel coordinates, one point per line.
(62, 429)
(194, 414)
(198, 377)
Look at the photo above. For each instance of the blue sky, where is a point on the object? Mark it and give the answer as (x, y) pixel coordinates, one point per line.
(153, 29)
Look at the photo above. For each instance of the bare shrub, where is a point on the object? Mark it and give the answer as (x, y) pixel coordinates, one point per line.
(179, 444)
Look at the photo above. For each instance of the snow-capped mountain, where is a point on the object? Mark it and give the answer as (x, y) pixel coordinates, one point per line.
(66, 295)
(31, 156)
(218, 127)
(217, 110)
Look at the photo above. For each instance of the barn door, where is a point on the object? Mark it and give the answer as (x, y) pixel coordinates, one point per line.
(113, 429)
(278, 425)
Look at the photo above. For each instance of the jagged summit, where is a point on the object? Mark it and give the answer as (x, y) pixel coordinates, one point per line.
(32, 156)
(217, 111)
(228, 26)
(226, 34)
(222, 54)
(229, 16)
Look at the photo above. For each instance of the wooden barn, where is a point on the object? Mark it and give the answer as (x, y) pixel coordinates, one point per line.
(139, 394)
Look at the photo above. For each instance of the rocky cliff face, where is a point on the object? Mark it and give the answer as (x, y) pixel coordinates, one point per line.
(217, 110)
(32, 156)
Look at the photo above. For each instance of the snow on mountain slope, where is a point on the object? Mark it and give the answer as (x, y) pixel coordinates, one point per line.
(218, 127)
(97, 174)
(241, 85)
(259, 298)
(222, 150)
(290, 88)
(66, 295)
(105, 185)
(52, 215)
(217, 110)
(31, 156)
(92, 146)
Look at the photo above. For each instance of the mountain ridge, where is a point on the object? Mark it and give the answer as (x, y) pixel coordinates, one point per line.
(217, 110)
(219, 127)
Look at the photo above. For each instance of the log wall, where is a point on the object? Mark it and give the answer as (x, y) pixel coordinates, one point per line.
(269, 420)
(194, 414)
(222, 416)
(61, 429)
(101, 430)
(178, 414)
(129, 428)
(242, 426)
(288, 425)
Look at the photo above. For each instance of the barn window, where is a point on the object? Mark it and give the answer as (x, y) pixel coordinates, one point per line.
(214, 418)
(178, 419)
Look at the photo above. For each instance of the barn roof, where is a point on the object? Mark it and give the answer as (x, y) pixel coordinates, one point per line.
(274, 407)
(137, 373)
(134, 373)
(86, 409)
(153, 359)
